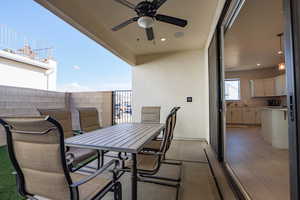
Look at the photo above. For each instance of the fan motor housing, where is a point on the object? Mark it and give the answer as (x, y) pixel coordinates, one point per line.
(145, 8)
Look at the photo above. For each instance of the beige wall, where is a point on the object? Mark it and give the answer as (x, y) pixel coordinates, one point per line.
(245, 77)
(166, 80)
(24, 102)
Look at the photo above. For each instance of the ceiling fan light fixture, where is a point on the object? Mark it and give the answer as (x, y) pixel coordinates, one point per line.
(145, 22)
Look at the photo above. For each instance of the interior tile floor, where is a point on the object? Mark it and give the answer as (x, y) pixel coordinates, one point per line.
(262, 169)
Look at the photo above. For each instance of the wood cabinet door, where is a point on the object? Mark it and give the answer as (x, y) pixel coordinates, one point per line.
(258, 85)
(237, 116)
(228, 116)
(258, 116)
(269, 87)
(280, 85)
(248, 116)
(283, 88)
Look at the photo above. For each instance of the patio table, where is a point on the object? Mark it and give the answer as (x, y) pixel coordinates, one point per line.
(127, 138)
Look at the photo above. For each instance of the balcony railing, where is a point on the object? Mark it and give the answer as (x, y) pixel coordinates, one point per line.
(122, 106)
(17, 43)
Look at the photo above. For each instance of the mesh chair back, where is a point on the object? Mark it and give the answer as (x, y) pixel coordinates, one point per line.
(36, 150)
(150, 114)
(174, 119)
(89, 119)
(63, 116)
(167, 132)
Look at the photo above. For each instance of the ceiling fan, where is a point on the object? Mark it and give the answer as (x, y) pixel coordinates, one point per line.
(146, 15)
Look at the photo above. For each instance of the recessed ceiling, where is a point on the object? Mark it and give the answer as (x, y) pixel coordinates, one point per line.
(96, 18)
(251, 43)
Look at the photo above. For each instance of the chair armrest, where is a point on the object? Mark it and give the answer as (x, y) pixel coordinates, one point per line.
(69, 158)
(77, 132)
(98, 172)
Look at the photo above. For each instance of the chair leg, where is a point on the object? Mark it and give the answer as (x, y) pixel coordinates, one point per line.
(100, 156)
(166, 178)
(118, 191)
(177, 185)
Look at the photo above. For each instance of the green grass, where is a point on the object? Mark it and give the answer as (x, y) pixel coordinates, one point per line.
(8, 189)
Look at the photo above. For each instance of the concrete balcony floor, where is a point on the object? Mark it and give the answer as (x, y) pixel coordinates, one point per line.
(197, 181)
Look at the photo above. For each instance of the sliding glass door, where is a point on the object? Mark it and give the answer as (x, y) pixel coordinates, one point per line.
(254, 106)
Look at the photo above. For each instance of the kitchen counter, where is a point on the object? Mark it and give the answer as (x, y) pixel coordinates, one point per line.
(275, 108)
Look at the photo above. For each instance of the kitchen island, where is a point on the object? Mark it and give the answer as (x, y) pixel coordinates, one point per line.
(275, 126)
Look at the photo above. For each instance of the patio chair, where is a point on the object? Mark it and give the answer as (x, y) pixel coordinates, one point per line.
(150, 114)
(155, 144)
(149, 162)
(89, 119)
(82, 157)
(37, 151)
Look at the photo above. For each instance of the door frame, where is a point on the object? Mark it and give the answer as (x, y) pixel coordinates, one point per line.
(292, 56)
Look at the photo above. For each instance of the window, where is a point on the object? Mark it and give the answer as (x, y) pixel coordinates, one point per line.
(232, 89)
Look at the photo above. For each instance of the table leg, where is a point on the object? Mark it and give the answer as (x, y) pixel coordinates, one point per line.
(134, 177)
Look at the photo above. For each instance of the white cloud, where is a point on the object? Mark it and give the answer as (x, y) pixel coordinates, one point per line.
(73, 87)
(76, 67)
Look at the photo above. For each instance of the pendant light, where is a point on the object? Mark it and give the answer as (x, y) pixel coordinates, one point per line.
(281, 65)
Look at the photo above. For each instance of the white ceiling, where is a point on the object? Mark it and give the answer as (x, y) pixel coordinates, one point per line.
(96, 18)
(252, 38)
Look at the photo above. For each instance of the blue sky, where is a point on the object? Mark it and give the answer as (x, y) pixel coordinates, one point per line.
(82, 63)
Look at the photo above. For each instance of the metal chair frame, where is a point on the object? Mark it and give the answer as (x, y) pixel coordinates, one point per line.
(98, 157)
(101, 153)
(113, 186)
(148, 175)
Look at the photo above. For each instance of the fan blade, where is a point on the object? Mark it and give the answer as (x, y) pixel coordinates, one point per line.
(150, 33)
(158, 3)
(122, 25)
(171, 20)
(126, 3)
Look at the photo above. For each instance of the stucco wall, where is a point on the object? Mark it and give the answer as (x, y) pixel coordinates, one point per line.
(166, 80)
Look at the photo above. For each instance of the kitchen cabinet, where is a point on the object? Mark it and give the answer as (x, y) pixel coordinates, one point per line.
(257, 115)
(236, 116)
(268, 87)
(243, 115)
(280, 85)
(248, 116)
(257, 88)
(228, 116)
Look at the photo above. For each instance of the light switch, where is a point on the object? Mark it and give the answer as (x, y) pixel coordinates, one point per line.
(189, 99)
